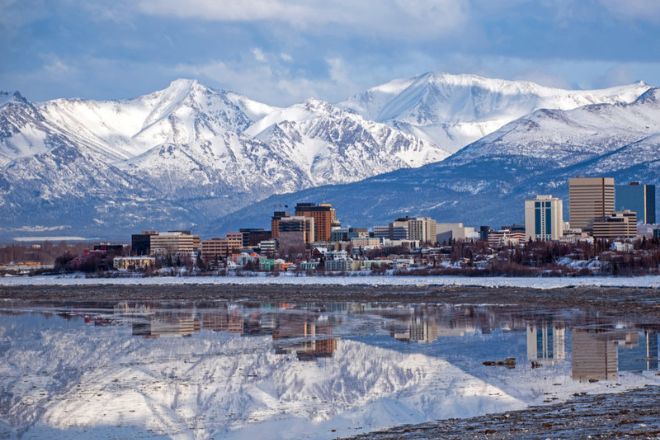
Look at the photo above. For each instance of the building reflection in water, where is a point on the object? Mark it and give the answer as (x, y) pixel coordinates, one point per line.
(546, 342)
(599, 353)
(306, 330)
(309, 335)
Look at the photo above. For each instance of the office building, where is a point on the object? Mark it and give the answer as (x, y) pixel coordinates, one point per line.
(638, 198)
(275, 222)
(324, 218)
(252, 236)
(589, 198)
(347, 234)
(268, 247)
(454, 231)
(222, 247)
(544, 218)
(172, 243)
(141, 243)
(133, 263)
(294, 234)
(422, 229)
(617, 225)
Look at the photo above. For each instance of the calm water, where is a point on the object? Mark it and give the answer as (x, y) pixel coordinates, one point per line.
(279, 370)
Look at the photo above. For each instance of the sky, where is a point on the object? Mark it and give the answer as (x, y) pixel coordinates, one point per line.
(282, 52)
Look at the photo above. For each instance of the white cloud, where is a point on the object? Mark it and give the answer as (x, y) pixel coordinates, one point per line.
(258, 54)
(644, 10)
(413, 19)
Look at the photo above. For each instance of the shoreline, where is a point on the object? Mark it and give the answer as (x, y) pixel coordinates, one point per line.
(642, 302)
(642, 281)
(633, 413)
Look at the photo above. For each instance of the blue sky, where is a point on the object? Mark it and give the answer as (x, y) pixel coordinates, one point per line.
(282, 52)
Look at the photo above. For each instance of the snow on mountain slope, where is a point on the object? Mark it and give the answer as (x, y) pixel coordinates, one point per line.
(455, 110)
(568, 137)
(487, 181)
(193, 149)
(23, 131)
(129, 128)
(331, 145)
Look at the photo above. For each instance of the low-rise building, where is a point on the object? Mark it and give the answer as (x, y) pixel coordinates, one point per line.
(619, 225)
(172, 243)
(133, 263)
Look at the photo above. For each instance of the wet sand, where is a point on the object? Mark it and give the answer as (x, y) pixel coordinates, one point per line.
(607, 300)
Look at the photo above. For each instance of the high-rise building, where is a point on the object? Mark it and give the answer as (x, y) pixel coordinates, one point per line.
(422, 229)
(294, 234)
(222, 247)
(588, 199)
(275, 222)
(639, 198)
(616, 225)
(324, 218)
(544, 218)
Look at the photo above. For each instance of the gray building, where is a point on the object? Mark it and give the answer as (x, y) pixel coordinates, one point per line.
(639, 198)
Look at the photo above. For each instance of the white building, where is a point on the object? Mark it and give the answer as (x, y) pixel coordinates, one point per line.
(544, 218)
(455, 231)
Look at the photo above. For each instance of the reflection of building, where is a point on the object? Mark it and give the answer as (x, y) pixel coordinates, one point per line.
(421, 328)
(651, 337)
(546, 342)
(167, 325)
(595, 354)
(222, 321)
(312, 337)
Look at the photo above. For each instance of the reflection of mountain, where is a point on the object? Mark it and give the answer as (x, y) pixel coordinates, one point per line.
(222, 385)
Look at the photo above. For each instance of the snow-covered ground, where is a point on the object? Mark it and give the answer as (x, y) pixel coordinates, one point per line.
(652, 281)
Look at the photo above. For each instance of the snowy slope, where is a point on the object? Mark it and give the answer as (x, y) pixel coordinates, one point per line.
(486, 182)
(455, 110)
(188, 151)
(187, 155)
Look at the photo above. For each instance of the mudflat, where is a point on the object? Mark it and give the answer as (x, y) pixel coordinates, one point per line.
(607, 300)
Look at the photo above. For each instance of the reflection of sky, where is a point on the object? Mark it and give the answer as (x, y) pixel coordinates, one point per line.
(370, 379)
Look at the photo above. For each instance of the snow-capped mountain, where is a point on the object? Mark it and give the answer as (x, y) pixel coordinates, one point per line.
(452, 111)
(487, 181)
(187, 150)
(187, 155)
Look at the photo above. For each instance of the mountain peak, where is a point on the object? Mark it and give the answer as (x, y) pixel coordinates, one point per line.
(652, 95)
(16, 97)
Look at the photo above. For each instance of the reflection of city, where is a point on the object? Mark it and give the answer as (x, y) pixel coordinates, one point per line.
(306, 334)
(596, 348)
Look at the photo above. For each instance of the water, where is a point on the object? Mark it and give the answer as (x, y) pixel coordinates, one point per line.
(312, 370)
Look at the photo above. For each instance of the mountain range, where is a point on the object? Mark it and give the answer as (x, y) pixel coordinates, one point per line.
(189, 156)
